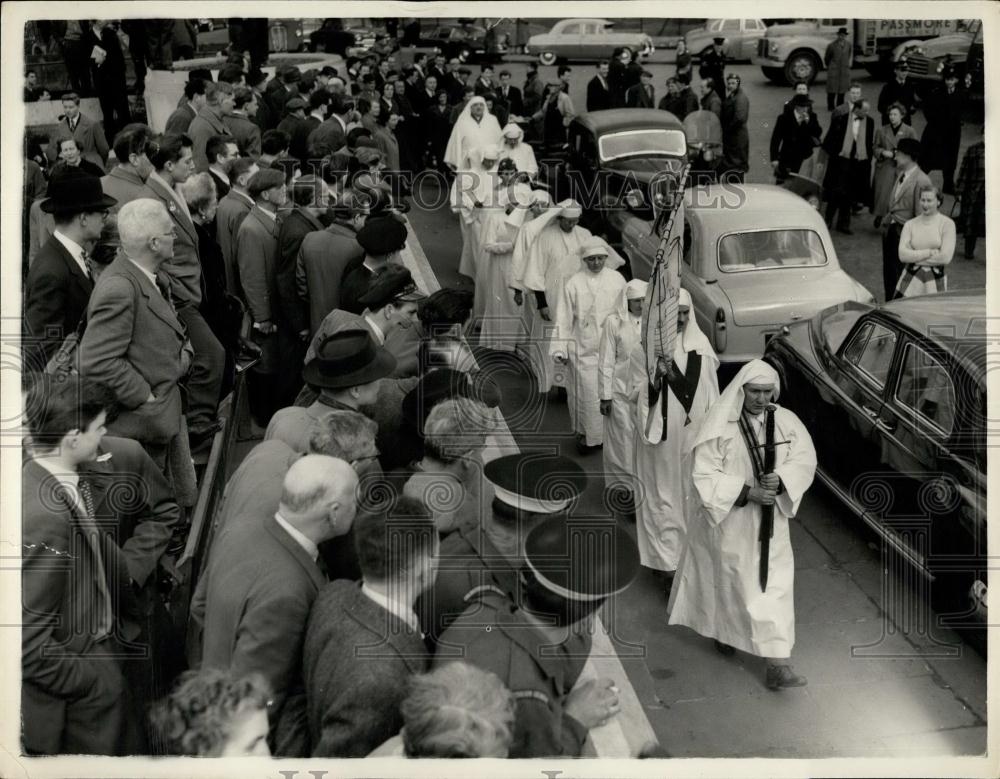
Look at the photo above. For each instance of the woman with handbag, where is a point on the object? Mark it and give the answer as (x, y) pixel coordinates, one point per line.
(926, 246)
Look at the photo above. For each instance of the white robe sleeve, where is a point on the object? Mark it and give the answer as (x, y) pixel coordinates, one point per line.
(565, 316)
(798, 467)
(717, 488)
(535, 264)
(607, 358)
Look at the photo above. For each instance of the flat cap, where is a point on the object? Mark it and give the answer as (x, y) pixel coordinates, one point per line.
(382, 235)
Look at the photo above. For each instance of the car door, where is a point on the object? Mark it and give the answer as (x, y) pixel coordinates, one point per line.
(860, 372)
(914, 430)
(570, 43)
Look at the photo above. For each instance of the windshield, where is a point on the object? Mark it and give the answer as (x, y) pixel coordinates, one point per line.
(763, 249)
(634, 142)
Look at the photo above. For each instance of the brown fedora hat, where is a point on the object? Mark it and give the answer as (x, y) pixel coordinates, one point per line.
(75, 191)
(347, 359)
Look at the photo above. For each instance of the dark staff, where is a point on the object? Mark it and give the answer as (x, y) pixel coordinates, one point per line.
(767, 511)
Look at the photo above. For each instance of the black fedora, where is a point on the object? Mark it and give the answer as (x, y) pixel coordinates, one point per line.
(75, 191)
(347, 359)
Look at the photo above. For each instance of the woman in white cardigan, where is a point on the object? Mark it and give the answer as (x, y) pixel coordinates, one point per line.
(926, 246)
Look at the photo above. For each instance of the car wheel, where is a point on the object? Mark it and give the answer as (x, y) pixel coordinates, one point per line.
(547, 58)
(802, 66)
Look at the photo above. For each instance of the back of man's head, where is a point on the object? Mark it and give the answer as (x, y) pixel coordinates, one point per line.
(391, 542)
(139, 221)
(348, 435)
(131, 139)
(238, 168)
(313, 484)
(195, 86)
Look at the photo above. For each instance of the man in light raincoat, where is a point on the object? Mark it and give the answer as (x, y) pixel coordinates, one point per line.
(718, 591)
(588, 299)
(667, 419)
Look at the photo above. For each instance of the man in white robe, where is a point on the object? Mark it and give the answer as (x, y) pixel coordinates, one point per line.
(516, 149)
(471, 191)
(718, 591)
(588, 299)
(551, 255)
(667, 418)
(621, 368)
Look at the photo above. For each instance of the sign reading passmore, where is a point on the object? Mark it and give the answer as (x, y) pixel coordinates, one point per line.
(906, 27)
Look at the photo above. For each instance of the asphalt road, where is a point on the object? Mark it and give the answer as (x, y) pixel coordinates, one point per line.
(886, 679)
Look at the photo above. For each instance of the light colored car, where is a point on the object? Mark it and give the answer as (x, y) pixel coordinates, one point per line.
(585, 39)
(741, 37)
(756, 257)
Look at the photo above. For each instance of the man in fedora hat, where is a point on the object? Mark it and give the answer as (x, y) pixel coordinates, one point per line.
(345, 371)
(538, 640)
(382, 239)
(796, 134)
(838, 69)
(60, 279)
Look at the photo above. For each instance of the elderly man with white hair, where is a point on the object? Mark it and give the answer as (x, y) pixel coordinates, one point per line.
(135, 344)
(588, 299)
(514, 148)
(668, 413)
(753, 462)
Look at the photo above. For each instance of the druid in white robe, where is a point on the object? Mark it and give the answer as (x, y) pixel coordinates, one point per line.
(474, 190)
(551, 256)
(664, 494)
(717, 589)
(516, 149)
(586, 302)
(621, 368)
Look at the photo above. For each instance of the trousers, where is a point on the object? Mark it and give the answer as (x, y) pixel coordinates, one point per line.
(204, 382)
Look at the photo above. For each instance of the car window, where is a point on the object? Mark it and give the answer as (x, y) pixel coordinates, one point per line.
(753, 24)
(571, 29)
(871, 350)
(632, 142)
(764, 249)
(730, 25)
(924, 387)
(686, 252)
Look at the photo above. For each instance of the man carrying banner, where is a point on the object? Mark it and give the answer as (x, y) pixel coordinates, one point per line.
(753, 462)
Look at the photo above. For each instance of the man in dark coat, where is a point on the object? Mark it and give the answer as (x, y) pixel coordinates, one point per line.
(363, 640)
(60, 280)
(510, 95)
(849, 147)
(382, 239)
(194, 100)
(837, 59)
(599, 89)
(127, 180)
(735, 138)
(641, 95)
(679, 100)
(943, 133)
(710, 100)
(261, 581)
(796, 134)
(899, 90)
(713, 63)
(561, 591)
(972, 192)
(108, 70)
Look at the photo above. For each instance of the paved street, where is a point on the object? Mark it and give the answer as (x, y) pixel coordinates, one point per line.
(884, 679)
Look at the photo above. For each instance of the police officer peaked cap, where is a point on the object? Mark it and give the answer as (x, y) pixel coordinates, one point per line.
(382, 235)
(537, 483)
(581, 560)
(392, 284)
(720, 40)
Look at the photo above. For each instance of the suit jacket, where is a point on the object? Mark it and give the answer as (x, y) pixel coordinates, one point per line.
(638, 97)
(320, 265)
(793, 143)
(904, 201)
(203, 127)
(299, 146)
(260, 586)
(357, 658)
(482, 88)
(40, 228)
(124, 186)
(257, 258)
(685, 103)
(221, 184)
(56, 293)
(598, 95)
(295, 226)
(62, 598)
(233, 209)
(180, 120)
(184, 267)
(246, 133)
(513, 100)
(354, 286)
(330, 132)
(839, 125)
(89, 135)
(135, 344)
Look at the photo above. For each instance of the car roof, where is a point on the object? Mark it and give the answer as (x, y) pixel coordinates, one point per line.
(628, 119)
(757, 202)
(946, 316)
(584, 21)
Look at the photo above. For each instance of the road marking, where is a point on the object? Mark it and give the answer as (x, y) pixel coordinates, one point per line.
(630, 731)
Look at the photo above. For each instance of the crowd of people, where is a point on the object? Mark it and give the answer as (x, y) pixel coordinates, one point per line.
(363, 543)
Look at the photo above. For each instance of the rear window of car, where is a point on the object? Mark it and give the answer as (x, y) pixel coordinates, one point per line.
(571, 29)
(766, 249)
(629, 143)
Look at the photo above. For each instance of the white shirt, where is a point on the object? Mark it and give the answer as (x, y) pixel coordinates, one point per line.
(318, 116)
(147, 274)
(75, 250)
(401, 610)
(311, 549)
(855, 126)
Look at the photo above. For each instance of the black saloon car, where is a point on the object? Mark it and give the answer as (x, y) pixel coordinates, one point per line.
(895, 400)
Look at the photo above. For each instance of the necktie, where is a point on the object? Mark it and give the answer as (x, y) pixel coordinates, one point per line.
(104, 617)
(88, 263)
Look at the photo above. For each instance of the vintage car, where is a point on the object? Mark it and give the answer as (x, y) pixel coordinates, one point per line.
(611, 155)
(895, 401)
(585, 39)
(927, 59)
(467, 42)
(741, 37)
(755, 257)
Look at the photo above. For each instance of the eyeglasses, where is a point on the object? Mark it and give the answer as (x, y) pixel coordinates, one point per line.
(171, 234)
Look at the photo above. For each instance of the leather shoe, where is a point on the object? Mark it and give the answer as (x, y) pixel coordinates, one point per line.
(781, 676)
(724, 649)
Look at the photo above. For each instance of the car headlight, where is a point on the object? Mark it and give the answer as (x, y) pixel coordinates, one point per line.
(634, 198)
(773, 47)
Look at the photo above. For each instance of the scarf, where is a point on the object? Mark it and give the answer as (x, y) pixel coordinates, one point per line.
(861, 150)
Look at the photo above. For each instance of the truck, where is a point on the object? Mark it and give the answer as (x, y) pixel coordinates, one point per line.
(794, 52)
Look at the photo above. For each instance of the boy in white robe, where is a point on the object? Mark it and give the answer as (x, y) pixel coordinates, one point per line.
(719, 592)
(620, 370)
(585, 303)
(665, 496)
